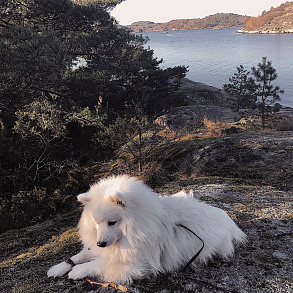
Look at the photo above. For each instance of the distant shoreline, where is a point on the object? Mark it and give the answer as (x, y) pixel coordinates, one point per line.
(184, 29)
(239, 31)
(265, 32)
(214, 21)
(191, 29)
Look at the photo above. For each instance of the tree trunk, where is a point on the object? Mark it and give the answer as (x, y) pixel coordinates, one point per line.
(263, 117)
(140, 159)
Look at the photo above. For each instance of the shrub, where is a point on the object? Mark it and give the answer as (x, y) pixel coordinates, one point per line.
(29, 207)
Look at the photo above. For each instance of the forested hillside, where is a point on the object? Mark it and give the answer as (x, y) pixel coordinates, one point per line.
(276, 20)
(216, 21)
(72, 87)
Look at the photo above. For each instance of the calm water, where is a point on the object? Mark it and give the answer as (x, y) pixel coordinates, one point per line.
(213, 55)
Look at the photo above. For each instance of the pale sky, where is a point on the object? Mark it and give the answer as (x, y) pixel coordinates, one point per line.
(130, 11)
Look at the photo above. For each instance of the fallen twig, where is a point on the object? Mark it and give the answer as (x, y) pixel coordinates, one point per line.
(111, 284)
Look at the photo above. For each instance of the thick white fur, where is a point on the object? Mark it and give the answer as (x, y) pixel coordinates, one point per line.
(146, 238)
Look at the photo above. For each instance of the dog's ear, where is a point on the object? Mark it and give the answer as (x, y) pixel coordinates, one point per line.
(84, 197)
(117, 198)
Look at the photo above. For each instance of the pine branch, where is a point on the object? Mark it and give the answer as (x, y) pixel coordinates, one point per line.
(49, 91)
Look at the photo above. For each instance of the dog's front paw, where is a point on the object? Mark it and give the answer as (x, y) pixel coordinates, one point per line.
(59, 270)
(79, 272)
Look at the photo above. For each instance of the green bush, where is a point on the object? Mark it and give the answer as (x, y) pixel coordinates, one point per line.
(27, 208)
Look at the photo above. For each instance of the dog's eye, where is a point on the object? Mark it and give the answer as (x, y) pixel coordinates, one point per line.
(112, 223)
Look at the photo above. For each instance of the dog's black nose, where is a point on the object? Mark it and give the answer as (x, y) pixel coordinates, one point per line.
(102, 244)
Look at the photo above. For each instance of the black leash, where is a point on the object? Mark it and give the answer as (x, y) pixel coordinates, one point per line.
(197, 254)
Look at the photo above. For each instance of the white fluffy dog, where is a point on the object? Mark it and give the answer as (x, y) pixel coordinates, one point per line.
(129, 232)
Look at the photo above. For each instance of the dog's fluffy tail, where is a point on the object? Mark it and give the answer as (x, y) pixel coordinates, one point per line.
(238, 235)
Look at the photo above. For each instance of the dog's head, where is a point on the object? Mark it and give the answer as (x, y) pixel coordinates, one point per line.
(116, 209)
(104, 207)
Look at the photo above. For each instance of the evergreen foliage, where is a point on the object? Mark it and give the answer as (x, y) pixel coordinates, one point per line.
(255, 90)
(67, 71)
(242, 87)
(264, 75)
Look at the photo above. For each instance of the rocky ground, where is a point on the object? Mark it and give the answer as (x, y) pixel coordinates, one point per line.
(263, 264)
(262, 157)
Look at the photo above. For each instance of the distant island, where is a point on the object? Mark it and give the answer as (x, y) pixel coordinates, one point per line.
(277, 20)
(215, 21)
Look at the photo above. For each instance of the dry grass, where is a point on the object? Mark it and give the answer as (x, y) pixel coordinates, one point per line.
(150, 157)
(214, 128)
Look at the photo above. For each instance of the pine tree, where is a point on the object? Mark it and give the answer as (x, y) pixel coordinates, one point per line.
(256, 91)
(41, 39)
(242, 87)
(52, 111)
(268, 94)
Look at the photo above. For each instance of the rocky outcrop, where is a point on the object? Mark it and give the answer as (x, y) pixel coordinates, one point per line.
(265, 157)
(192, 114)
(203, 101)
(278, 20)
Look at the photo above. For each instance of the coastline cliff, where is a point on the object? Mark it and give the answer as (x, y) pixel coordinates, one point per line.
(277, 20)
